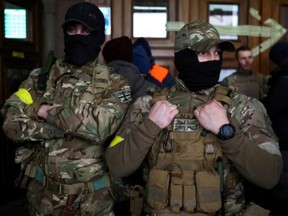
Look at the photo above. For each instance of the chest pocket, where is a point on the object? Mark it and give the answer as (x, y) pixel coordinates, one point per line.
(185, 169)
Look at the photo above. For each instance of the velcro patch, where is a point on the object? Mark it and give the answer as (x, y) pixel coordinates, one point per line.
(185, 124)
(124, 96)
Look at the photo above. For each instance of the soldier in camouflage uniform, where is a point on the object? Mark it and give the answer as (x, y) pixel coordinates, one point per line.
(197, 140)
(71, 120)
(248, 82)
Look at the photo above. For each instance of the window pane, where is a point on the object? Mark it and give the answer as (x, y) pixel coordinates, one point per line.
(107, 16)
(150, 18)
(224, 15)
(15, 22)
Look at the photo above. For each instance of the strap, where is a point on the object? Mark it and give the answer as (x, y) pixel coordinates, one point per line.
(34, 171)
(84, 187)
(50, 60)
(136, 195)
(161, 95)
(223, 94)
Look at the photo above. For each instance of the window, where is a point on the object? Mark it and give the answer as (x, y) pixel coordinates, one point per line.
(224, 15)
(107, 16)
(150, 18)
(15, 22)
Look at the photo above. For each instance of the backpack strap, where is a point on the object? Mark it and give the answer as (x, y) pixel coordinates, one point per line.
(45, 70)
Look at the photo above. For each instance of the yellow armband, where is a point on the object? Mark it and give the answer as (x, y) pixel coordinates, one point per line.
(24, 95)
(115, 141)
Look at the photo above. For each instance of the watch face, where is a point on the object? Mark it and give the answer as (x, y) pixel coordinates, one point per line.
(227, 131)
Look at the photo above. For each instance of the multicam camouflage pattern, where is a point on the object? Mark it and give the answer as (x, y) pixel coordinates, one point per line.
(21, 121)
(200, 36)
(86, 112)
(49, 203)
(249, 114)
(252, 84)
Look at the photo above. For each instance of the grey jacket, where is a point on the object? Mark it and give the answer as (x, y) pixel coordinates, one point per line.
(138, 84)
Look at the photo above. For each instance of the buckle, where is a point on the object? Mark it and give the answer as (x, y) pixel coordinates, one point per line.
(55, 187)
(209, 150)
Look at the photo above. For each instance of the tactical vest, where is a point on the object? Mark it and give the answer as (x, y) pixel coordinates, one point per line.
(188, 174)
(248, 85)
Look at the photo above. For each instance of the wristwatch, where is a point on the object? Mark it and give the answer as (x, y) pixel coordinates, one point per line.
(226, 131)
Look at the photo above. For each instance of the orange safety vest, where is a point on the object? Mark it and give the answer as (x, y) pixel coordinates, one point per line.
(158, 72)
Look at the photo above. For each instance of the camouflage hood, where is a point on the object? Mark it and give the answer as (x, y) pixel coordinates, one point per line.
(200, 36)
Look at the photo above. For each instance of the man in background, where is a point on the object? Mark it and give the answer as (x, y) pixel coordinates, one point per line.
(247, 81)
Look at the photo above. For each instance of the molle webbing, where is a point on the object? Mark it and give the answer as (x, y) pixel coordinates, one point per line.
(160, 96)
(101, 79)
(136, 196)
(184, 163)
(34, 171)
(184, 160)
(223, 94)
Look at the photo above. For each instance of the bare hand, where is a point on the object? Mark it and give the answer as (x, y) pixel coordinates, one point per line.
(43, 111)
(212, 115)
(162, 113)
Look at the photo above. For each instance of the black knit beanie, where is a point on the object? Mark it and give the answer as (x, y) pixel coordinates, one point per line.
(279, 52)
(118, 49)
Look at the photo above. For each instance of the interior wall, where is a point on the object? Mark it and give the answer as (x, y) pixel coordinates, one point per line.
(186, 10)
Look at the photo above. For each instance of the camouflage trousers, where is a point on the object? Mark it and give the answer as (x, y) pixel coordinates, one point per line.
(43, 202)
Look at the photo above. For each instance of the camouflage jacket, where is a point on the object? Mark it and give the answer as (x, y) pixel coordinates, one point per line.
(88, 105)
(20, 112)
(253, 151)
(252, 84)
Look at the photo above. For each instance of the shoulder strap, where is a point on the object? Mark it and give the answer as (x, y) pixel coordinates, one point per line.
(45, 70)
(160, 95)
(224, 94)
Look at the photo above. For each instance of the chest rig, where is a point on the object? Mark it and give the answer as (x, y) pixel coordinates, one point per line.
(248, 85)
(186, 165)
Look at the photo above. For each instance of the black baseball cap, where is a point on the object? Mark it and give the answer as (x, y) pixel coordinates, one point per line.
(86, 13)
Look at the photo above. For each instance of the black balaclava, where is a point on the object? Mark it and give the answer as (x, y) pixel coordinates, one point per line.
(80, 49)
(196, 75)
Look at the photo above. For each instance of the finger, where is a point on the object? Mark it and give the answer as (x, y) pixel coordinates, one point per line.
(173, 107)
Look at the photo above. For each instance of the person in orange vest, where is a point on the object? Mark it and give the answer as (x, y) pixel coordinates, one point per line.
(143, 59)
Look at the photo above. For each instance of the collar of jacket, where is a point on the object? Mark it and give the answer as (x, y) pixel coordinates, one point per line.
(65, 67)
(179, 85)
(244, 72)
